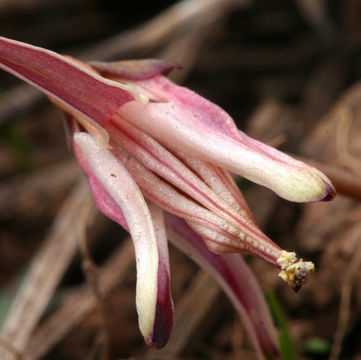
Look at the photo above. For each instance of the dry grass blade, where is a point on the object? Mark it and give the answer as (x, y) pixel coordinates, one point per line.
(79, 303)
(315, 12)
(177, 18)
(91, 272)
(17, 101)
(346, 292)
(342, 140)
(189, 315)
(44, 274)
(20, 195)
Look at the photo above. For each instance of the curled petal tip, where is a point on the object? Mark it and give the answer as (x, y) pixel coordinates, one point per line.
(162, 325)
(327, 190)
(163, 319)
(156, 343)
(330, 192)
(304, 185)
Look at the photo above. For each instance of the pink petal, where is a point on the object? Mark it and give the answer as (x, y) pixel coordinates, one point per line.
(158, 159)
(238, 282)
(188, 122)
(74, 88)
(221, 182)
(218, 233)
(153, 299)
(134, 69)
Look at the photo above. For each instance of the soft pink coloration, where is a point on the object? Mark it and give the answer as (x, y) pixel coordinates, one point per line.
(183, 120)
(138, 136)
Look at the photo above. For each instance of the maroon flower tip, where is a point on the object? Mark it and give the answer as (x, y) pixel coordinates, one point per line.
(329, 194)
(163, 321)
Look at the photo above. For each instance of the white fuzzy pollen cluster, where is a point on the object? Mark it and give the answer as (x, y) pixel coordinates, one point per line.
(294, 272)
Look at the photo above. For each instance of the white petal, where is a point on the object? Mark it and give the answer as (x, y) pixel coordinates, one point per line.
(121, 187)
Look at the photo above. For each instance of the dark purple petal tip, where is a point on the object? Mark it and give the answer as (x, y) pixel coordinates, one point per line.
(163, 321)
(330, 193)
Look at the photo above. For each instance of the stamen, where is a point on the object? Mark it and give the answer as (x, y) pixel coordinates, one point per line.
(294, 272)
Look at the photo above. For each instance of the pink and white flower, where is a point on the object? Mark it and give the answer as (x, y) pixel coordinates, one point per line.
(149, 147)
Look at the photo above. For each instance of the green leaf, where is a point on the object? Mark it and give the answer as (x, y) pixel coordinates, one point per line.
(287, 348)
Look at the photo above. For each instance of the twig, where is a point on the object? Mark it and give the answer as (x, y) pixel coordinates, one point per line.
(91, 272)
(237, 338)
(345, 303)
(44, 274)
(342, 140)
(79, 303)
(21, 194)
(17, 101)
(177, 18)
(10, 349)
(315, 13)
(342, 137)
(187, 319)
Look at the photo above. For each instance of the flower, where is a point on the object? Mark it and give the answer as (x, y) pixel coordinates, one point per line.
(158, 157)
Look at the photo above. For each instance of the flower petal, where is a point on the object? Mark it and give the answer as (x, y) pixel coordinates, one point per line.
(134, 69)
(190, 123)
(221, 182)
(153, 301)
(238, 282)
(162, 162)
(218, 233)
(220, 236)
(73, 87)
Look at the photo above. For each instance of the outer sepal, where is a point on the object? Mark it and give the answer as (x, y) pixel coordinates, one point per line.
(73, 87)
(153, 296)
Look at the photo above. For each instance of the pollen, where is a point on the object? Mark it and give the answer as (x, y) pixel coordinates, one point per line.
(294, 272)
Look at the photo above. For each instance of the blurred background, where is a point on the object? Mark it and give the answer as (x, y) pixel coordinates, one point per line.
(288, 72)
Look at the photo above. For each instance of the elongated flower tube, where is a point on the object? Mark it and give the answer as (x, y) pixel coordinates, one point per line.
(148, 145)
